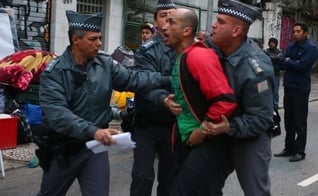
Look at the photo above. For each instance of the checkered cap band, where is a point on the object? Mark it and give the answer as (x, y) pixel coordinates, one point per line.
(85, 22)
(165, 5)
(82, 26)
(246, 13)
(236, 13)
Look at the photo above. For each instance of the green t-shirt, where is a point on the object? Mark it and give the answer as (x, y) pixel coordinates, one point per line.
(186, 120)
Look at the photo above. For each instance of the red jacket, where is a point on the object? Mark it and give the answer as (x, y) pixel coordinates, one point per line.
(205, 86)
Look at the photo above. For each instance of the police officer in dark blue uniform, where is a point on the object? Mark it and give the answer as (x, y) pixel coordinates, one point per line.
(153, 121)
(250, 73)
(75, 92)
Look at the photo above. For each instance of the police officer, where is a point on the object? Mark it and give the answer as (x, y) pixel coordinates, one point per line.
(250, 74)
(75, 92)
(153, 121)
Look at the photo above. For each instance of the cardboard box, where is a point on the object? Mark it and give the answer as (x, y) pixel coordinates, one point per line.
(8, 132)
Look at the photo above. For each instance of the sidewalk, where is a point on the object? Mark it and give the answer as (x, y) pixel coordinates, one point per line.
(20, 156)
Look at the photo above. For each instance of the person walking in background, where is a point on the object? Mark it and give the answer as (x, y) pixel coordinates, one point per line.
(147, 31)
(75, 93)
(250, 73)
(201, 90)
(274, 53)
(153, 121)
(202, 36)
(297, 61)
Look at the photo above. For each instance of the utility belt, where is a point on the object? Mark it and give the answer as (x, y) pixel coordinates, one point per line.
(65, 145)
(59, 147)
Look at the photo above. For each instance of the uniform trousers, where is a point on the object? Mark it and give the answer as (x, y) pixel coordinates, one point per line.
(214, 160)
(151, 141)
(250, 158)
(91, 170)
(296, 113)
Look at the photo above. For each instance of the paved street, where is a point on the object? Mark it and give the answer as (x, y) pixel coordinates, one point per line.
(284, 175)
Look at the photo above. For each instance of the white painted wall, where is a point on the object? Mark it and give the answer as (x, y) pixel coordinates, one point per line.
(59, 26)
(114, 25)
(256, 30)
(272, 22)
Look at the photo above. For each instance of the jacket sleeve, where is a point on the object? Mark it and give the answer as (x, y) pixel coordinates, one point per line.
(147, 61)
(304, 62)
(53, 100)
(255, 99)
(206, 69)
(135, 80)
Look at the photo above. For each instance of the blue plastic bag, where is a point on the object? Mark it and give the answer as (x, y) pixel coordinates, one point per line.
(33, 113)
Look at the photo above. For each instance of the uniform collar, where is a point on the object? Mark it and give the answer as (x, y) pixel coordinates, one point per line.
(236, 57)
(71, 64)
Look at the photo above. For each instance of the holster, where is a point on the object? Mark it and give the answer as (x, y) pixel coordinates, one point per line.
(53, 145)
(63, 147)
(44, 153)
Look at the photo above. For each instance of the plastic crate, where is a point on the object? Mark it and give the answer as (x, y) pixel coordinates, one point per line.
(30, 95)
(8, 132)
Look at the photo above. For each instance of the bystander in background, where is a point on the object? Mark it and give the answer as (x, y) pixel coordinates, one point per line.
(297, 61)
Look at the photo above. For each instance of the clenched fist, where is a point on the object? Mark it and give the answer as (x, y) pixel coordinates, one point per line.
(197, 137)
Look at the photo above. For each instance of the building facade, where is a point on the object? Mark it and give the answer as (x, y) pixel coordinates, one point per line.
(42, 24)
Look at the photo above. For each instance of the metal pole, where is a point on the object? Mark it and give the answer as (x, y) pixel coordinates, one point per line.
(209, 15)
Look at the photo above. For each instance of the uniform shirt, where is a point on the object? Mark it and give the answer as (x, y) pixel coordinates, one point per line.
(154, 55)
(75, 99)
(250, 73)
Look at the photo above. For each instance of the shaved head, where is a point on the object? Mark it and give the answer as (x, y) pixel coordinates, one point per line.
(188, 18)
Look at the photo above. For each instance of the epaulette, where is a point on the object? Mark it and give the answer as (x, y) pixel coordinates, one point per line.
(149, 43)
(52, 64)
(255, 66)
(102, 52)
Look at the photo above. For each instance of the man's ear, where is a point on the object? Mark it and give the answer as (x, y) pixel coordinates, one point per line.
(74, 39)
(237, 30)
(187, 31)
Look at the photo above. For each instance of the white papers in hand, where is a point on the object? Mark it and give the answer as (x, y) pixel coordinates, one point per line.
(123, 140)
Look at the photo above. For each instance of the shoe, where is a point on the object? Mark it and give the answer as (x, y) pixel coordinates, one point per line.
(297, 157)
(284, 153)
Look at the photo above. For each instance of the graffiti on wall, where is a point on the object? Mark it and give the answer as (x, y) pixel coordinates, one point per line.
(274, 25)
(32, 22)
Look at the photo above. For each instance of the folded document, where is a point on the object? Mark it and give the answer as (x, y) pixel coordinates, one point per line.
(123, 140)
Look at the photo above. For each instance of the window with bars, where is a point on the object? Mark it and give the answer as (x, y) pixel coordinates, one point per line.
(89, 6)
(137, 12)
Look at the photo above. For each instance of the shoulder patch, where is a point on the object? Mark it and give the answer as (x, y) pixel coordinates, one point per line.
(262, 86)
(148, 44)
(52, 64)
(255, 66)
